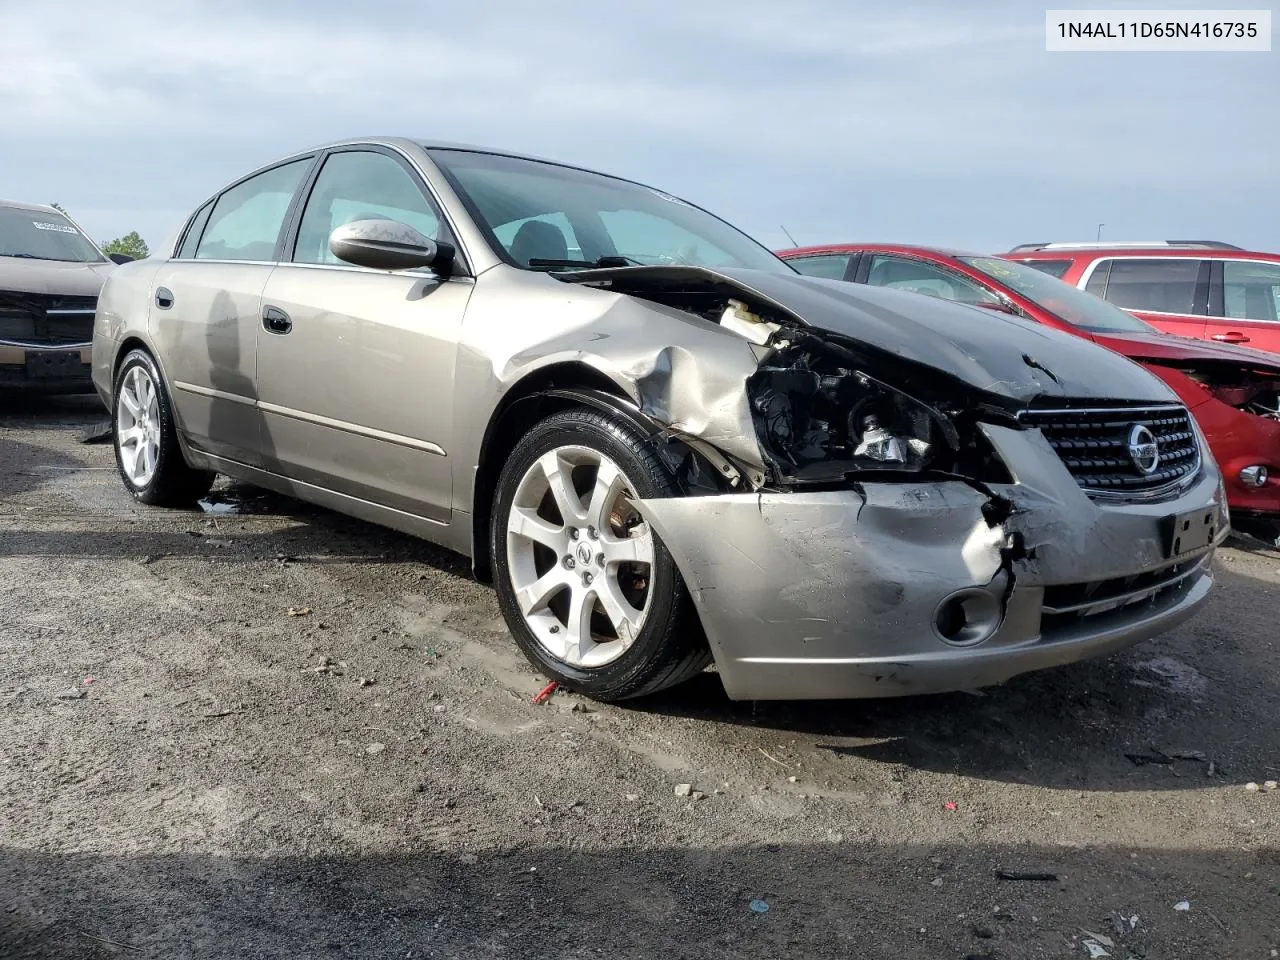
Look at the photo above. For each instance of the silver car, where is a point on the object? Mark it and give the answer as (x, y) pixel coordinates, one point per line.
(663, 445)
(50, 275)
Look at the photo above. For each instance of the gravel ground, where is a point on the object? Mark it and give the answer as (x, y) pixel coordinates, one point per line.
(370, 778)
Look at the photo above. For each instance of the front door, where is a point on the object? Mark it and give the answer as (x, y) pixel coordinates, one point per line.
(356, 366)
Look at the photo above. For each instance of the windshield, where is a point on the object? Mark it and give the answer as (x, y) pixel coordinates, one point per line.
(543, 216)
(43, 235)
(1073, 305)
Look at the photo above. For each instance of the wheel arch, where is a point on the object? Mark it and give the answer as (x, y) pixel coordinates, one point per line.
(135, 341)
(536, 396)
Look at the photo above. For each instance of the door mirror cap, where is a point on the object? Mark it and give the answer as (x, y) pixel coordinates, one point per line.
(120, 258)
(388, 245)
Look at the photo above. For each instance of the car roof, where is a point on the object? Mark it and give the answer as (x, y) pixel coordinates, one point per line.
(34, 207)
(425, 144)
(884, 247)
(1136, 250)
(1110, 244)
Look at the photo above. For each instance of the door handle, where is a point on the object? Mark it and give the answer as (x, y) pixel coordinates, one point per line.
(164, 298)
(275, 320)
(1231, 336)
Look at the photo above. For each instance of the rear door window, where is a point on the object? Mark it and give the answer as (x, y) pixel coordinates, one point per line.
(1155, 285)
(246, 220)
(831, 266)
(1251, 291)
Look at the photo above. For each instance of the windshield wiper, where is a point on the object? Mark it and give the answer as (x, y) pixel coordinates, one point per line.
(539, 263)
(32, 256)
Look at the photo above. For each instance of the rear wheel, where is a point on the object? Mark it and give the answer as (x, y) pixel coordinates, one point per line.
(146, 439)
(590, 593)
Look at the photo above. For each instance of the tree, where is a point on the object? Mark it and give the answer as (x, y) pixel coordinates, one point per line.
(59, 207)
(130, 244)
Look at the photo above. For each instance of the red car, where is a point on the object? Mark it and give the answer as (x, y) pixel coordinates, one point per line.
(1194, 288)
(1233, 392)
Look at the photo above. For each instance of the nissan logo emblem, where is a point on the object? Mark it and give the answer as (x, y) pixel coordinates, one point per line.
(1143, 449)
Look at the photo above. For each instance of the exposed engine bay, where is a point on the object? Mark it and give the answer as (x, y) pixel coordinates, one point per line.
(826, 407)
(1253, 391)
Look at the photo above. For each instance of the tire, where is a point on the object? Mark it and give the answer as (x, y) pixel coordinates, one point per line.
(145, 438)
(640, 633)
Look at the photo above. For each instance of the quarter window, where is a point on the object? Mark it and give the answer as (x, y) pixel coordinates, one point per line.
(916, 276)
(1251, 291)
(829, 267)
(1160, 286)
(246, 219)
(192, 237)
(360, 185)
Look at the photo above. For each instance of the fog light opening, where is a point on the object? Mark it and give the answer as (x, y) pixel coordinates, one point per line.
(1255, 476)
(968, 617)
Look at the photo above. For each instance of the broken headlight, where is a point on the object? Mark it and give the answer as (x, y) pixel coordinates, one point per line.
(818, 420)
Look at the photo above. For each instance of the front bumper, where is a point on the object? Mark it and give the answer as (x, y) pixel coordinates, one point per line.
(45, 369)
(836, 594)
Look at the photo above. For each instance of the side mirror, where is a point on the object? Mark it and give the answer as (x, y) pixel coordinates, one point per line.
(120, 258)
(388, 245)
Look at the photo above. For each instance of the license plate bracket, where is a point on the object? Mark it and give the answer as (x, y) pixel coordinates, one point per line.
(1190, 531)
(53, 364)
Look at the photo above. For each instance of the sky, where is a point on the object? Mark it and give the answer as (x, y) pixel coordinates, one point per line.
(941, 123)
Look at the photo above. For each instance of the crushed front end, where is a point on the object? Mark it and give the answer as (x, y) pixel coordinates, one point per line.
(926, 512)
(1238, 410)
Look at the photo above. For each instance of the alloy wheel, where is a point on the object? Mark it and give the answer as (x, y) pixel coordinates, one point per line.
(138, 426)
(580, 555)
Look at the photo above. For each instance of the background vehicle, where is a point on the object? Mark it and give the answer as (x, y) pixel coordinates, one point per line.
(50, 275)
(661, 442)
(1201, 289)
(1233, 392)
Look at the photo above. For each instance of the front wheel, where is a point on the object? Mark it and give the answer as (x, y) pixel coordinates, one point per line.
(146, 439)
(590, 593)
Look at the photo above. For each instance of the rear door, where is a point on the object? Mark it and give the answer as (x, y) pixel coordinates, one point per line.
(1244, 303)
(205, 306)
(1170, 293)
(356, 366)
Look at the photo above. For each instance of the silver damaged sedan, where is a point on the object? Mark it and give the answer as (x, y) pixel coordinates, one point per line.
(662, 445)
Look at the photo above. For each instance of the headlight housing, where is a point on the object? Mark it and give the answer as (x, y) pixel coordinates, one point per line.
(820, 416)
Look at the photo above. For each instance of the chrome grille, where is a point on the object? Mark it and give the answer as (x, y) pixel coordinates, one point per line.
(42, 318)
(1094, 445)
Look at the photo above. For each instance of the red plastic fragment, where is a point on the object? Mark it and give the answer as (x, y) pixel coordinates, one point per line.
(545, 693)
(950, 805)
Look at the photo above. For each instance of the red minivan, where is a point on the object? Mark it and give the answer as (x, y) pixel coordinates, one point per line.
(1233, 392)
(1201, 289)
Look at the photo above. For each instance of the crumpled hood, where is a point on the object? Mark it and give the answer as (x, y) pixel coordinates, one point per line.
(19, 275)
(994, 352)
(1157, 346)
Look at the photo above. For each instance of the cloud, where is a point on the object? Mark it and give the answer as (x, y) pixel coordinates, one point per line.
(951, 118)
